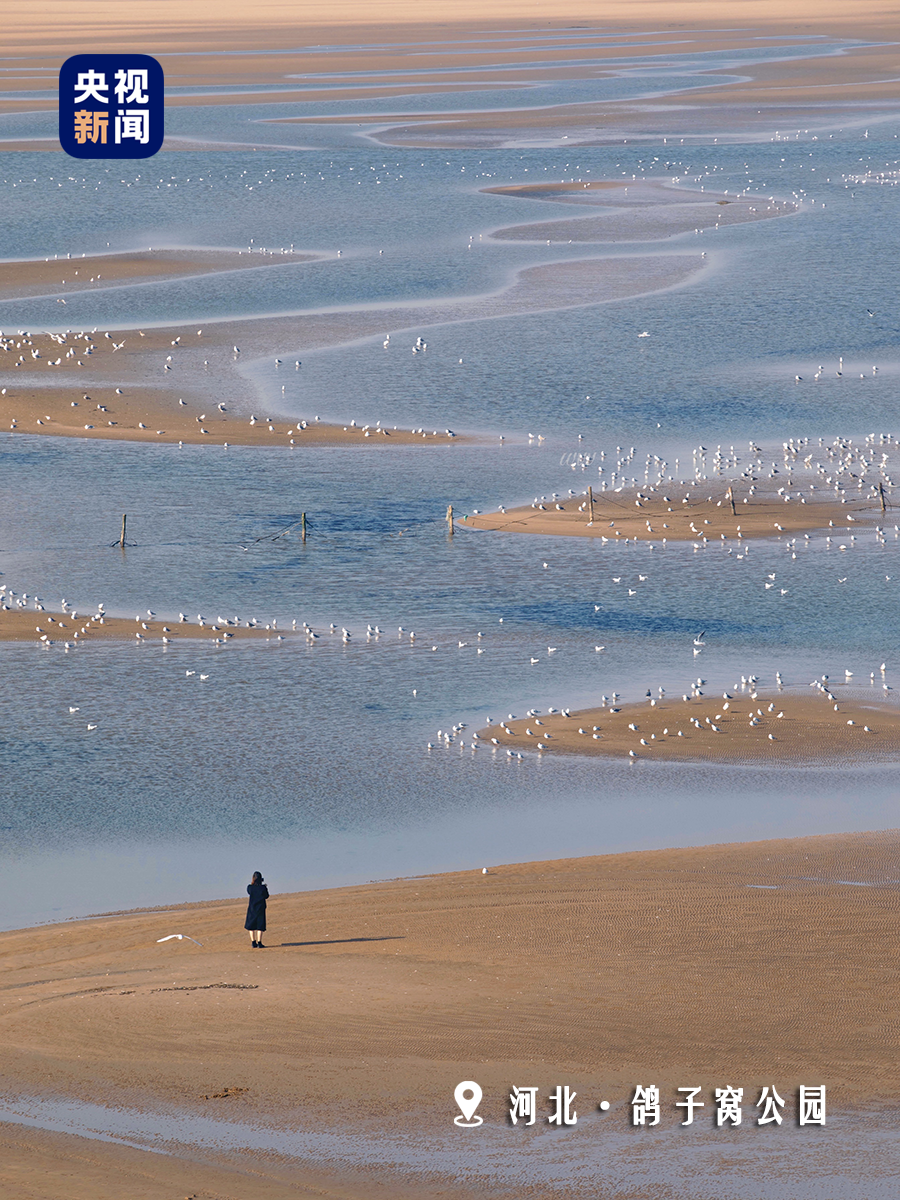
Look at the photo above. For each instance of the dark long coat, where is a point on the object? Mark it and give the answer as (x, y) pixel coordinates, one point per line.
(256, 909)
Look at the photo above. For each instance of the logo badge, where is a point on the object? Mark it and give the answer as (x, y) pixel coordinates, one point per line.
(111, 106)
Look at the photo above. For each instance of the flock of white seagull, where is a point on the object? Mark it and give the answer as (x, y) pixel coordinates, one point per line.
(848, 471)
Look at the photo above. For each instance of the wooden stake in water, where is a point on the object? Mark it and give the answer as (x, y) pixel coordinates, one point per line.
(730, 495)
(450, 519)
(121, 541)
(591, 502)
(881, 494)
(303, 527)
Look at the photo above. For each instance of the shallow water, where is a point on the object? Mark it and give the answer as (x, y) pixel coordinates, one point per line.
(749, 1162)
(312, 759)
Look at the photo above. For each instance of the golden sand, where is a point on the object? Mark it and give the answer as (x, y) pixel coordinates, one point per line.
(27, 625)
(103, 25)
(751, 964)
(34, 277)
(357, 36)
(151, 415)
(126, 408)
(640, 516)
(790, 728)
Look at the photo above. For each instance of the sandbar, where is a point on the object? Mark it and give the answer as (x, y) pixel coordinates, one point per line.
(649, 210)
(36, 277)
(152, 415)
(202, 366)
(48, 628)
(788, 727)
(704, 514)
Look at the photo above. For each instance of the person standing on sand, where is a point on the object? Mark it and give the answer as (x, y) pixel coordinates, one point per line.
(256, 910)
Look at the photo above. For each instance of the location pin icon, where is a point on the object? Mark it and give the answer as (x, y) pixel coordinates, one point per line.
(468, 1097)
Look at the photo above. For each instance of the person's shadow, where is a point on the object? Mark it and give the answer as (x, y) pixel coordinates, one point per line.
(341, 941)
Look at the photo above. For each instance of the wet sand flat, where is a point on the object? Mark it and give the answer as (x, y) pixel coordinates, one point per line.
(352, 29)
(44, 394)
(277, 60)
(648, 210)
(756, 964)
(646, 226)
(36, 277)
(274, 64)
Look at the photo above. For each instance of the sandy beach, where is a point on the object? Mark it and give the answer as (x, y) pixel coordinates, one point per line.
(791, 727)
(370, 1003)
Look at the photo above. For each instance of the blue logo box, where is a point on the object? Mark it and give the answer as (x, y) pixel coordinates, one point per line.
(111, 106)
